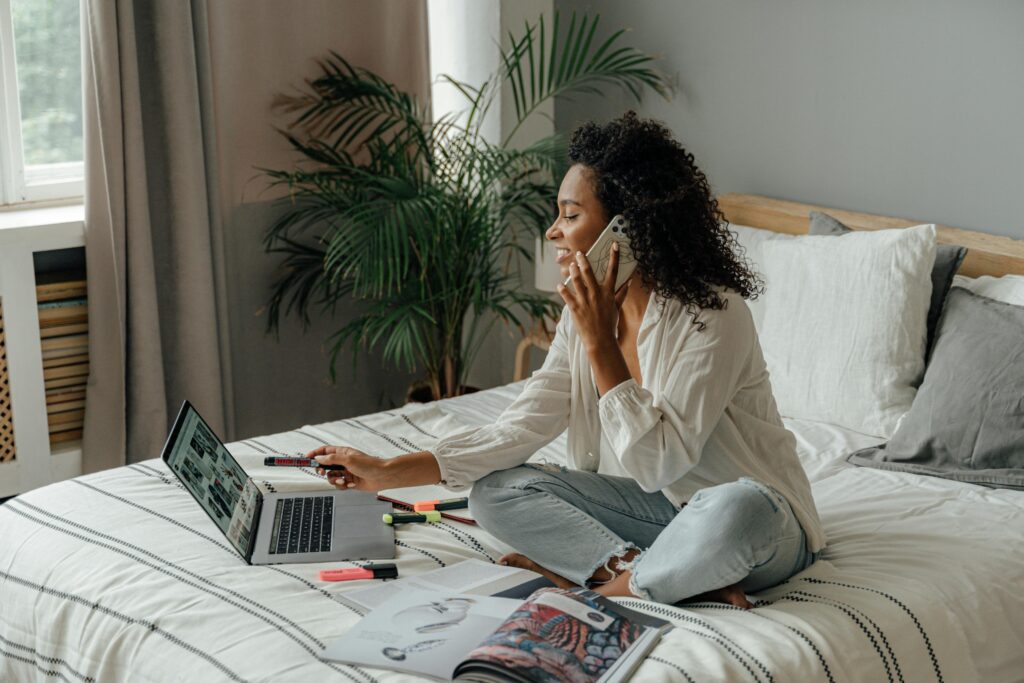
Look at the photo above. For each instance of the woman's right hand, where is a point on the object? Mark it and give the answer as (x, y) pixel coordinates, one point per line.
(367, 473)
(362, 472)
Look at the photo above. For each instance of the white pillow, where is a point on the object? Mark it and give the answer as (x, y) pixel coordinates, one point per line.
(1008, 288)
(961, 281)
(845, 324)
(752, 240)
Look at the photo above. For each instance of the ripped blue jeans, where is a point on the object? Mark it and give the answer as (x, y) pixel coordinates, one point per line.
(573, 523)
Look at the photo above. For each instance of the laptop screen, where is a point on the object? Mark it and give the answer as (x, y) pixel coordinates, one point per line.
(213, 477)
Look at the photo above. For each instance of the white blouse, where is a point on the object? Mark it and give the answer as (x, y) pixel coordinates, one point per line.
(704, 416)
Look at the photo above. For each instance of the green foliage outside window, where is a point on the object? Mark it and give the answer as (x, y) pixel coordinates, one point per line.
(47, 43)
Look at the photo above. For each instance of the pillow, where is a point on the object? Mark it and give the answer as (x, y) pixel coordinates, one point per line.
(752, 240)
(963, 281)
(1008, 288)
(844, 327)
(967, 421)
(948, 258)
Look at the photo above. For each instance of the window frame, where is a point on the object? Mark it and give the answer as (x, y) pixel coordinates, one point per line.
(19, 185)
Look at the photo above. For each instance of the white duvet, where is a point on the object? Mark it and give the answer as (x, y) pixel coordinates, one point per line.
(121, 576)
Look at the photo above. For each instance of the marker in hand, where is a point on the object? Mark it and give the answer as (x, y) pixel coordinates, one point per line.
(291, 461)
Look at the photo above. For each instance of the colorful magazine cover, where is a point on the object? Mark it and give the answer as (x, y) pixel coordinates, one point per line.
(573, 636)
(559, 635)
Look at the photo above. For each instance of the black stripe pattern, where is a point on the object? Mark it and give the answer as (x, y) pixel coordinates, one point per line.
(149, 493)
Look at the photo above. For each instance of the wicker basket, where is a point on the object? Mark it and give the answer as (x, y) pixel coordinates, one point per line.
(7, 451)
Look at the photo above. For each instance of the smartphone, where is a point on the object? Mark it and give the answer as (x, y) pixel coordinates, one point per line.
(600, 253)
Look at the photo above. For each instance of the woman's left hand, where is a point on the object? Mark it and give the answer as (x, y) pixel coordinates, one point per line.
(594, 305)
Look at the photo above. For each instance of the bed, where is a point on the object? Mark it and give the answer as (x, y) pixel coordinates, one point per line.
(119, 575)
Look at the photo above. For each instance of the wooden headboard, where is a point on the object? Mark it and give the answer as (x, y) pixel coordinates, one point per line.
(986, 254)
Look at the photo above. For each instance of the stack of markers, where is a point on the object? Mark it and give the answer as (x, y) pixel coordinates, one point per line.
(426, 511)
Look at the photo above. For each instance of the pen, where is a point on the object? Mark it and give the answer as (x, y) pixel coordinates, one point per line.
(371, 571)
(406, 518)
(447, 504)
(291, 461)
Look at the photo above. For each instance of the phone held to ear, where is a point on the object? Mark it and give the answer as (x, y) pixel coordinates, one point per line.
(599, 254)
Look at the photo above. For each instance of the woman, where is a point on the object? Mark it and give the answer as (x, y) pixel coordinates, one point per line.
(684, 482)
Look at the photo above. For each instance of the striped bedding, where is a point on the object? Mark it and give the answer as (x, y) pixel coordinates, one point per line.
(121, 576)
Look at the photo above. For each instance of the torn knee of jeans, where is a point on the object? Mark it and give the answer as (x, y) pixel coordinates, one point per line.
(629, 565)
(623, 564)
(635, 588)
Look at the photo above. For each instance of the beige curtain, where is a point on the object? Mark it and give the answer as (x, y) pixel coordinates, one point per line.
(151, 243)
(167, 156)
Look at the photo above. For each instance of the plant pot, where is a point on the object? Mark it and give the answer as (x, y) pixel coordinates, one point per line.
(419, 392)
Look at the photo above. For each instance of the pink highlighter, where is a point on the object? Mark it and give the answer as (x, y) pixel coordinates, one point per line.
(370, 571)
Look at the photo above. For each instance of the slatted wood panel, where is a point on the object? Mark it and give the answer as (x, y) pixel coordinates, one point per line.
(7, 448)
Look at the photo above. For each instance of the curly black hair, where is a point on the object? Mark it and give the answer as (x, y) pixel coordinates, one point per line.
(679, 237)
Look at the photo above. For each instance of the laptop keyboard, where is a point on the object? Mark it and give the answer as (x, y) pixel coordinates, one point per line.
(302, 525)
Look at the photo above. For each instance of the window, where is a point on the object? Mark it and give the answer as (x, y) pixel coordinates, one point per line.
(40, 100)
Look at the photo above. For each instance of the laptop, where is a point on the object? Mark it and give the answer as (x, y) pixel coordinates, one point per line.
(273, 528)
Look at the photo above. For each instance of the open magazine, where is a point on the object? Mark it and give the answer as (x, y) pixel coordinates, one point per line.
(555, 635)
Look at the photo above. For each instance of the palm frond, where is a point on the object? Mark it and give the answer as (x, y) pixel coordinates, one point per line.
(404, 325)
(347, 104)
(563, 64)
(300, 283)
(421, 224)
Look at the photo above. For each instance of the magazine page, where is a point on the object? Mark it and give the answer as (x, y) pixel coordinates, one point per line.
(469, 576)
(562, 635)
(422, 632)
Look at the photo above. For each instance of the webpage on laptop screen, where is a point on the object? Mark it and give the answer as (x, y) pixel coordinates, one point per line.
(215, 479)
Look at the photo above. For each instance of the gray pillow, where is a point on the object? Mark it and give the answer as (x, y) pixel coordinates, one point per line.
(948, 258)
(967, 420)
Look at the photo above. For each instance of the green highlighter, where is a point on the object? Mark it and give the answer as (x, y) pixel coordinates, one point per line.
(412, 517)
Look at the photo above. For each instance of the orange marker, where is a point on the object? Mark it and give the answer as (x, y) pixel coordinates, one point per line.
(448, 504)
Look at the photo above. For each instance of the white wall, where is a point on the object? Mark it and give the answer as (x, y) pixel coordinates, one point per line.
(462, 45)
(465, 38)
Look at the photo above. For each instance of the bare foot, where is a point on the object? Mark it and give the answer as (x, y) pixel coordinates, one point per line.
(730, 595)
(523, 562)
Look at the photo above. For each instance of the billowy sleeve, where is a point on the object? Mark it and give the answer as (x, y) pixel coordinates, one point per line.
(537, 416)
(658, 441)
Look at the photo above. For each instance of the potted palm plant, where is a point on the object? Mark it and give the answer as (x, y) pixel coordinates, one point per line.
(422, 221)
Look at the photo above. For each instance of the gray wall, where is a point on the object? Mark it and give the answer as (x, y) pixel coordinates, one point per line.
(261, 48)
(283, 382)
(912, 109)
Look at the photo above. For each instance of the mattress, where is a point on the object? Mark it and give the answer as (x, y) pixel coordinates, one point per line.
(120, 575)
